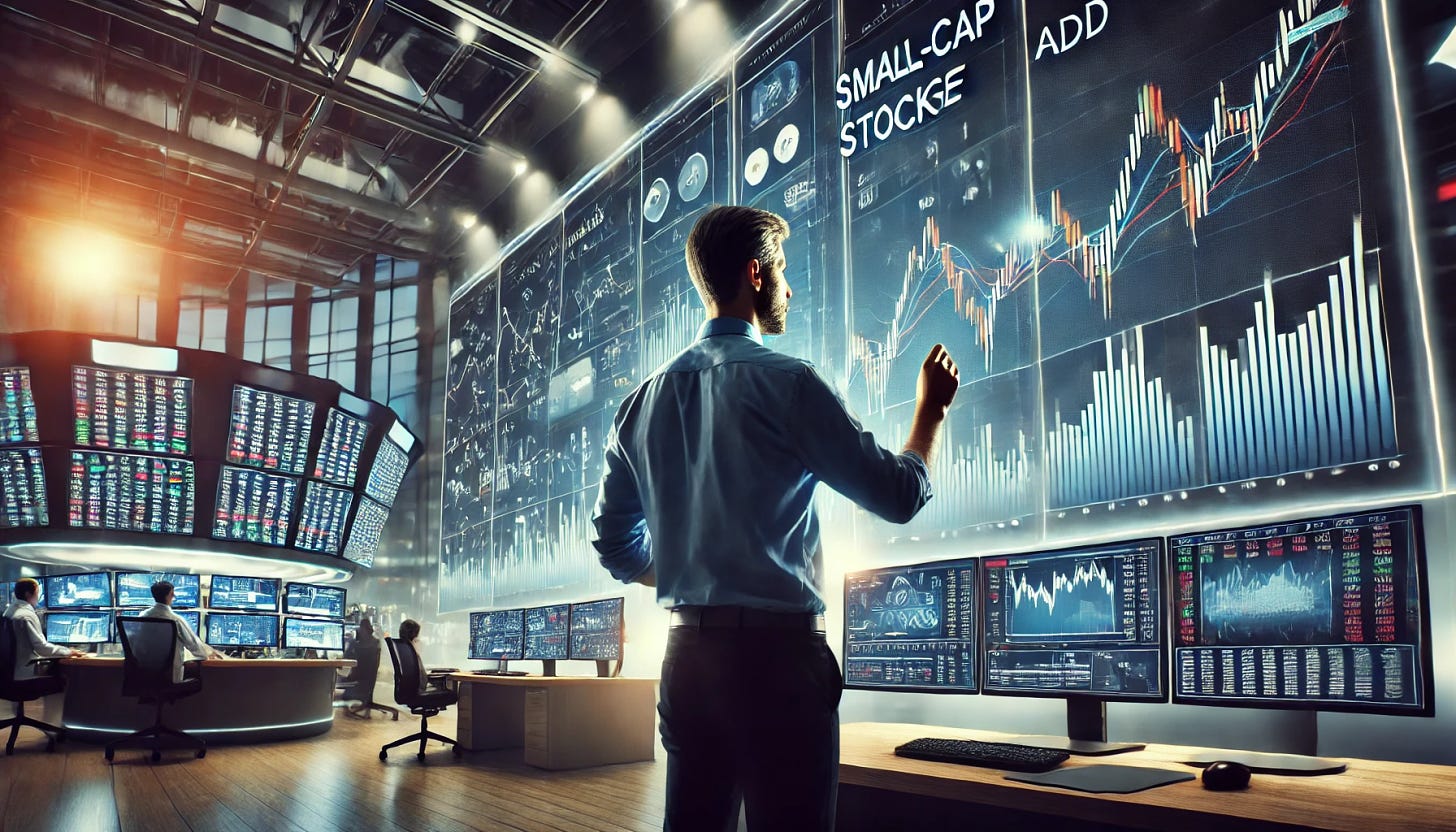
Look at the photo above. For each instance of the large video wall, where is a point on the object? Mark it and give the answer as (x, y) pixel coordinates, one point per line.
(1161, 240)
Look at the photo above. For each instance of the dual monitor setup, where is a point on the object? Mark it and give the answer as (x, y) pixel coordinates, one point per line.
(584, 631)
(1324, 614)
(81, 609)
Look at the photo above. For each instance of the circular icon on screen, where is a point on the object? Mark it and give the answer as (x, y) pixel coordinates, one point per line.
(655, 205)
(693, 178)
(756, 167)
(787, 143)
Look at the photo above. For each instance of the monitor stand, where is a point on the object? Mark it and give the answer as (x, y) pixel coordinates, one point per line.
(1086, 732)
(548, 667)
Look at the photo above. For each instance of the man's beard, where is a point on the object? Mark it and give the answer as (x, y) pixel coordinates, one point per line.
(772, 306)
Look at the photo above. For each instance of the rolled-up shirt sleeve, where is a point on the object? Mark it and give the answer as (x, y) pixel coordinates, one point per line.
(622, 541)
(836, 448)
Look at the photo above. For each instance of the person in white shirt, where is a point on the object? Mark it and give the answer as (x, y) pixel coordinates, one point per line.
(164, 594)
(31, 643)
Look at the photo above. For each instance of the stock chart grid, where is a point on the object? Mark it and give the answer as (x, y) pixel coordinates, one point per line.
(912, 627)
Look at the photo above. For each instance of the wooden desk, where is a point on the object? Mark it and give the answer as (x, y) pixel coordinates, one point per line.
(563, 722)
(1370, 795)
(242, 700)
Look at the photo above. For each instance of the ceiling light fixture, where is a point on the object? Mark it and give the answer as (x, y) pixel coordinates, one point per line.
(520, 167)
(586, 92)
(466, 31)
(467, 221)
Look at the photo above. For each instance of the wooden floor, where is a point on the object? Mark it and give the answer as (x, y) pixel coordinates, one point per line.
(331, 782)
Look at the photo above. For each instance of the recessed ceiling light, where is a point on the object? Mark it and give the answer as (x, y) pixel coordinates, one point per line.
(467, 221)
(586, 92)
(519, 167)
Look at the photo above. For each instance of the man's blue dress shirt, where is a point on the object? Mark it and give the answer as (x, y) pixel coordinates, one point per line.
(710, 474)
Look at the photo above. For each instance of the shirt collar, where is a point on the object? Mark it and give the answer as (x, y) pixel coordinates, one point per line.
(729, 326)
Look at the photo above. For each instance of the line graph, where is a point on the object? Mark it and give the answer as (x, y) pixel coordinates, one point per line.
(1268, 600)
(1054, 601)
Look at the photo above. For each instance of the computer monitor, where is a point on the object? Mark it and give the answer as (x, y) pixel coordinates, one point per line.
(192, 617)
(338, 453)
(232, 629)
(233, 592)
(912, 628)
(313, 599)
(1085, 624)
(8, 588)
(23, 489)
(269, 430)
(253, 507)
(497, 635)
(134, 589)
(391, 463)
(548, 635)
(321, 525)
(1327, 613)
(596, 630)
(83, 590)
(312, 634)
(78, 627)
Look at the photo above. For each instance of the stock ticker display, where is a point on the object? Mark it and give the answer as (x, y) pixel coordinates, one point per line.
(22, 489)
(130, 411)
(391, 463)
(912, 627)
(1087, 620)
(17, 407)
(253, 506)
(596, 630)
(131, 492)
(1324, 613)
(269, 430)
(497, 635)
(365, 533)
(548, 632)
(321, 525)
(343, 443)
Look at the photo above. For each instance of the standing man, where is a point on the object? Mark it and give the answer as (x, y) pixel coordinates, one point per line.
(708, 495)
(164, 594)
(30, 642)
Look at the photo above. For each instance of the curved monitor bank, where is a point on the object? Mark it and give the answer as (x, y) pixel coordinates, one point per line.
(241, 701)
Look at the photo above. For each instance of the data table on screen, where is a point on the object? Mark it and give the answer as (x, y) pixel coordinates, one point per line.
(391, 463)
(253, 506)
(912, 627)
(338, 454)
(22, 489)
(365, 533)
(321, 525)
(17, 407)
(130, 411)
(269, 430)
(132, 492)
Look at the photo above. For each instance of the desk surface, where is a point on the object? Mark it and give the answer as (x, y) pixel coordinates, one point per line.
(546, 681)
(108, 661)
(1369, 795)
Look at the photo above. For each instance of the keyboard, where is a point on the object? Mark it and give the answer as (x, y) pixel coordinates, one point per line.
(500, 672)
(1002, 755)
(440, 671)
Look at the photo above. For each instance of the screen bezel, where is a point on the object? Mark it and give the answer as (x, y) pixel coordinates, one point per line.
(976, 590)
(89, 611)
(207, 630)
(277, 595)
(525, 641)
(283, 639)
(1165, 636)
(519, 655)
(116, 589)
(570, 632)
(1427, 684)
(110, 592)
(343, 601)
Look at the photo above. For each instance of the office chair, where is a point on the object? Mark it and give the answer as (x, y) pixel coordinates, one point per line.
(407, 693)
(149, 645)
(21, 691)
(360, 684)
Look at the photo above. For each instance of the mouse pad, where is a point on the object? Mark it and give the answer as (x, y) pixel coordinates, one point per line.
(1104, 779)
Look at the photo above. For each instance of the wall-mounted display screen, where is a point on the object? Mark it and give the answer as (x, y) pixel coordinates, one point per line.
(129, 411)
(496, 635)
(79, 591)
(391, 463)
(192, 617)
(253, 506)
(321, 526)
(366, 532)
(134, 589)
(1321, 614)
(7, 592)
(22, 489)
(233, 592)
(17, 407)
(269, 430)
(548, 632)
(308, 634)
(338, 455)
(78, 627)
(912, 627)
(132, 492)
(241, 630)
(596, 629)
(313, 599)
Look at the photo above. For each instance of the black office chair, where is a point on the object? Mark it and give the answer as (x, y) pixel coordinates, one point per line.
(21, 691)
(360, 683)
(149, 645)
(407, 693)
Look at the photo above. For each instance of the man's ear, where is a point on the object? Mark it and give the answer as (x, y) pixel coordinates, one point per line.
(755, 276)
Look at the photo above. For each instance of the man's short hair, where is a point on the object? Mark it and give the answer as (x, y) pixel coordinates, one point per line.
(722, 242)
(26, 588)
(160, 591)
(409, 630)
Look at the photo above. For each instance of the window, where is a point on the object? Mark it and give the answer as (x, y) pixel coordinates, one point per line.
(394, 377)
(202, 319)
(333, 337)
(268, 327)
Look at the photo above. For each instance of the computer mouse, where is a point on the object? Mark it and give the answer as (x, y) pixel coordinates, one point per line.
(1224, 776)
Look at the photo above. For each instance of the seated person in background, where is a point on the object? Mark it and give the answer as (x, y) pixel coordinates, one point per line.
(30, 638)
(164, 593)
(366, 666)
(409, 631)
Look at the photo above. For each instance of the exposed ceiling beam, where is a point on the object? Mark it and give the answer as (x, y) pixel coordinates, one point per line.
(495, 26)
